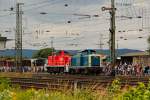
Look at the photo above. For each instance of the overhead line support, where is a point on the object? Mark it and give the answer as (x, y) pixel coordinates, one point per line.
(112, 29)
(18, 38)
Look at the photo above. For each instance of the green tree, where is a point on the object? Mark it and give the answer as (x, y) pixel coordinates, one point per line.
(43, 53)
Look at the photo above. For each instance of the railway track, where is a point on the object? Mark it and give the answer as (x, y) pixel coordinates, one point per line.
(64, 81)
(58, 83)
(61, 83)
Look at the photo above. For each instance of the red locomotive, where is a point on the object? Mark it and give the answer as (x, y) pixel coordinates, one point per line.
(59, 62)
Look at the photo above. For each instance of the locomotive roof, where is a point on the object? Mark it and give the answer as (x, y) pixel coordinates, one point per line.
(87, 50)
(58, 52)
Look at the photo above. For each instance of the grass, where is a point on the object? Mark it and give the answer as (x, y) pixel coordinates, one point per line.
(112, 92)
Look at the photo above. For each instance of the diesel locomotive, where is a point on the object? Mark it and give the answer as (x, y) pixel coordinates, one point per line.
(84, 62)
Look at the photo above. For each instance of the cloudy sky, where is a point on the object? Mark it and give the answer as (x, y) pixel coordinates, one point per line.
(72, 24)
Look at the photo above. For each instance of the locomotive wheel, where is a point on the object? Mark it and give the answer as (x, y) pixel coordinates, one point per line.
(81, 71)
(72, 71)
(86, 71)
(77, 71)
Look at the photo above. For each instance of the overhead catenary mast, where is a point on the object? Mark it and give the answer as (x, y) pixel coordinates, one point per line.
(112, 29)
(101, 43)
(18, 37)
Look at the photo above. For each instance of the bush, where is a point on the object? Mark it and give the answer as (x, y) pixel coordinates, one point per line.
(4, 84)
(141, 92)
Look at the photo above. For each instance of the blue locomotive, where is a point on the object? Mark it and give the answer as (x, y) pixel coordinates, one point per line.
(86, 62)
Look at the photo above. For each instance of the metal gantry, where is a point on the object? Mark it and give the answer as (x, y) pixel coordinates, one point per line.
(18, 37)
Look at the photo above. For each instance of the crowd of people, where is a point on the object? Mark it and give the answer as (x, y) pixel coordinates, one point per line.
(127, 69)
(22, 69)
(120, 69)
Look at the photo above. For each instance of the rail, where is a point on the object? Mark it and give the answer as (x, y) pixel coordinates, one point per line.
(57, 83)
(65, 81)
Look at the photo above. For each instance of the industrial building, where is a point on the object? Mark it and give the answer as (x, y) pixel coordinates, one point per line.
(2, 42)
(136, 58)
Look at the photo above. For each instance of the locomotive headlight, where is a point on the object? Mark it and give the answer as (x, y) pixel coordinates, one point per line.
(61, 59)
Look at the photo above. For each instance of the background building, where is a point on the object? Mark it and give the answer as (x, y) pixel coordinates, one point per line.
(2, 42)
(136, 58)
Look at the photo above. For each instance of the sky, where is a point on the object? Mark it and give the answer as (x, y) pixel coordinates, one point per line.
(71, 24)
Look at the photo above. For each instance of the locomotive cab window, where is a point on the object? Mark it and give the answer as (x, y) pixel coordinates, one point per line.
(95, 60)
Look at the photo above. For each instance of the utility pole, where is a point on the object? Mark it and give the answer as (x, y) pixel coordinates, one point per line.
(112, 29)
(52, 42)
(101, 43)
(52, 45)
(18, 37)
(117, 48)
(52, 48)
